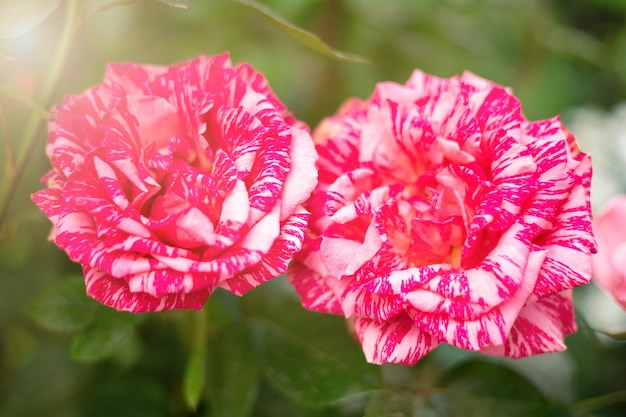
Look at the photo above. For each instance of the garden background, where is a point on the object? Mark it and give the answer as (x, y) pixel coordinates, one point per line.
(64, 355)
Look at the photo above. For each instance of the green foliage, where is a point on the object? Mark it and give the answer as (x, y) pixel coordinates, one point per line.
(108, 331)
(397, 403)
(307, 373)
(193, 380)
(482, 388)
(307, 356)
(305, 38)
(233, 372)
(63, 307)
(474, 387)
(195, 370)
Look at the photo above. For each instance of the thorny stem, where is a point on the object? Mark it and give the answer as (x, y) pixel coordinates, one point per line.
(8, 183)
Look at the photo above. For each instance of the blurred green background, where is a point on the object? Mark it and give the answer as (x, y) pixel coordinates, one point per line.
(557, 55)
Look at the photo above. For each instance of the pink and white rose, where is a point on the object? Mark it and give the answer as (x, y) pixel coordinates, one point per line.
(443, 215)
(168, 182)
(609, 264)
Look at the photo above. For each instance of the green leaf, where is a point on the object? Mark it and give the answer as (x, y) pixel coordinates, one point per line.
(63, 306)
(195, 369)
(193, 380)
(17, 18)
(311, 359)
(234, 373)
(180, 4)
(398, 403)
(109, 330)
(305, 38)
(13, 92)
(481, 388)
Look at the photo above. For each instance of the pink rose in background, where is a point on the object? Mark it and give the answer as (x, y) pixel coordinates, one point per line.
(168, 182)
(609, 264)
(443, 215)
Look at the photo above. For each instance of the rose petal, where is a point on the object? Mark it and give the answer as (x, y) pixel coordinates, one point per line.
(316, 296)
(275, 261)
(302, 179)
(397, 341)
(540, 328)
(114, 293)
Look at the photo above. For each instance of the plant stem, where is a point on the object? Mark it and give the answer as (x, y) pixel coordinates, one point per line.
(8, 183)
(590, 404)
(103, 8)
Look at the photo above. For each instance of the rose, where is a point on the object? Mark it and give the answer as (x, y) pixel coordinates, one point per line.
(168, 182)
(609, 264)
(443, 215)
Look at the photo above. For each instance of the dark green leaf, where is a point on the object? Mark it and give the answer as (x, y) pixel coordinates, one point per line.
(234, 373)
(222, 308)
(109, 330)
(63, 307)
(481, 388)
(313, 361)
(20, 17)
(398, 403)
(306, 38)
(309, 357)
(129, 352)
(13, 92)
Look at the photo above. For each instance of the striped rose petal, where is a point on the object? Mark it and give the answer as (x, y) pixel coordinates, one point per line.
(169, 181)
(115, 293)
(396, 341)
(540, 328)
(443, 216)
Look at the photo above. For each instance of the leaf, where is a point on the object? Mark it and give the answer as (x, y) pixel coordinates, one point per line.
(481, 388)
(180, 4)
(63, 306)
(309, 357)
(234, 373)
(17, 18)
(109, 330)
(398, 403)
(13, 92)
(305, 38)
(195, 369)
(313, 361)
(193, 380)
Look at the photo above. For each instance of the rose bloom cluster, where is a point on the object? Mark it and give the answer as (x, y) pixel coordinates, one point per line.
(444, 216)
(168, 182)
(440, 215)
